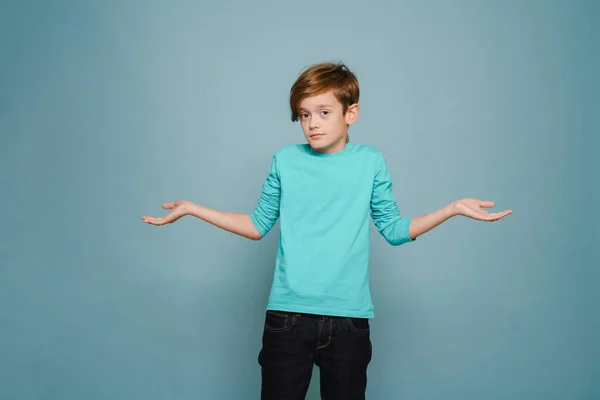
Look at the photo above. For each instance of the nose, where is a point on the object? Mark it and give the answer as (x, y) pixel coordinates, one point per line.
(313, 123)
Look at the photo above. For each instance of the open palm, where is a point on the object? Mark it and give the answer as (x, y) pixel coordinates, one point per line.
(177, 211)
(474, 208)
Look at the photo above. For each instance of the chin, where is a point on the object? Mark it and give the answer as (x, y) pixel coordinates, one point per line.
(319, 143)
(319, 146)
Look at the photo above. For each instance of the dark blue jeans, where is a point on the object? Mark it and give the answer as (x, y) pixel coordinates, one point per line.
(293, 343)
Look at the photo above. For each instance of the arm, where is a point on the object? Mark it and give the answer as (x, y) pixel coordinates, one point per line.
(239, 224)
(384, 208)
(424, 223)
(252, 226)
(472, 208)
(397, 230)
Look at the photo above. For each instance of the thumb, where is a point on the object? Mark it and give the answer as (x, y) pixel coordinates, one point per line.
(486, 203)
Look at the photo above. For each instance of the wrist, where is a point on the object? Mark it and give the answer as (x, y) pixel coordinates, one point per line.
(187, 208)
(451, 210)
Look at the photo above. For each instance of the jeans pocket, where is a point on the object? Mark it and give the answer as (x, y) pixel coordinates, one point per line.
(359, 325)
(279, 321)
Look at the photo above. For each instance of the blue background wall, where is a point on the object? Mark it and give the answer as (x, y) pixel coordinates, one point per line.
(108, 109)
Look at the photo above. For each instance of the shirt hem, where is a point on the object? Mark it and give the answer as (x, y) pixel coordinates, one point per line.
(334, 312)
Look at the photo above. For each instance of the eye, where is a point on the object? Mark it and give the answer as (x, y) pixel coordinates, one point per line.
(304, 115)
(325, 112)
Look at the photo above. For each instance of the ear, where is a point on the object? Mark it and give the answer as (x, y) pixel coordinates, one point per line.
(352, 113)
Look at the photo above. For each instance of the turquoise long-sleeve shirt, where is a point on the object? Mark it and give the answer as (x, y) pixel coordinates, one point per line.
(324, 202)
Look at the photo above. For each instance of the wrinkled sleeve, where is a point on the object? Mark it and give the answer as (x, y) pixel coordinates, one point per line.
(266, 212)
(384, 208)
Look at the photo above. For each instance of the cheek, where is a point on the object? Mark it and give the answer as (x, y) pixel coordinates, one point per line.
(340, 125)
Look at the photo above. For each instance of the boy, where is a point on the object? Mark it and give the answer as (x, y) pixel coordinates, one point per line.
(325, 191)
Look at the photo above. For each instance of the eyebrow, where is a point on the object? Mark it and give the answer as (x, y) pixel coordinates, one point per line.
(319, 106)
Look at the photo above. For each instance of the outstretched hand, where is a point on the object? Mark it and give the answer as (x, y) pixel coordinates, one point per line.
(178, 210)
(474, 208)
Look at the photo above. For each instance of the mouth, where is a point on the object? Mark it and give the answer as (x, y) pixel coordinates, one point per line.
(316, 135)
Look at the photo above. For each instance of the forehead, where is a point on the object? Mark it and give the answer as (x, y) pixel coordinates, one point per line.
(323, 99)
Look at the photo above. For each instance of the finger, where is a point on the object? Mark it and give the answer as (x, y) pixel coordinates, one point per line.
(486, 203)
(498, 215)
(482, 215)
(168, 205)
(151, 220)
(156, 221)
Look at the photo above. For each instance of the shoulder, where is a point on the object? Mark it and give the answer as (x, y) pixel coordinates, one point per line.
(284, 156)
(370, 152)
(287, 151)
(365, 148)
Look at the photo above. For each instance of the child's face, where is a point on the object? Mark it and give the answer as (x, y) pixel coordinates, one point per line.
(323, 122)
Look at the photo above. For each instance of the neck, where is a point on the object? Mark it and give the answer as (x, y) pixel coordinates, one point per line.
(334, 147)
